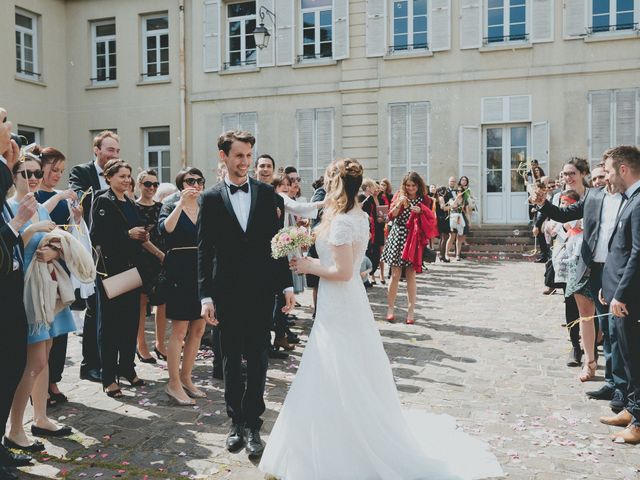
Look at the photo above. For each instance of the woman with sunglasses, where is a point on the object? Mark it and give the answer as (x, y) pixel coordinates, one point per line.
(118, 235)
(150, 264)
(59, 205)
(178, 227)
(27, 176)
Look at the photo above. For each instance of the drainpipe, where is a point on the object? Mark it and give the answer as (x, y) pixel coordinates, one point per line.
(183, 89)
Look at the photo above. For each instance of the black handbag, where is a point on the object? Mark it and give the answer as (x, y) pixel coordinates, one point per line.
(428, 255)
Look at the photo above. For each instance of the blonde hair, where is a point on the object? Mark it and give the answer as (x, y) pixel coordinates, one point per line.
(343, 179)
(368, 183)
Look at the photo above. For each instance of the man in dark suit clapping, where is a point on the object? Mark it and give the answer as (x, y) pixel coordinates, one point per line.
(621, 281)
(13, 327)
(87, 179)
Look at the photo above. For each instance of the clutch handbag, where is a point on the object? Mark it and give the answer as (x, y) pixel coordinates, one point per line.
(120, 283)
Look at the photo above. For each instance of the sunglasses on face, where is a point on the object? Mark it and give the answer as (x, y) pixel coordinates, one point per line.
(31, 173)
(151, 184)
(192, 181)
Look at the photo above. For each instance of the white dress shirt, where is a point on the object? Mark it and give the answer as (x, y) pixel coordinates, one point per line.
(103, 181)
(607, 223)
(241, 203)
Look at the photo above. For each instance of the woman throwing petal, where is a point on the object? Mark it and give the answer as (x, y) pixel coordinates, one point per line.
(344, 393)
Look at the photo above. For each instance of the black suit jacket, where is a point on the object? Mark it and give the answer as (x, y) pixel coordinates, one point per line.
(109, 235)
(621, 275)
(235, 268)
(589, 209)
(8, 238)
(81, 178)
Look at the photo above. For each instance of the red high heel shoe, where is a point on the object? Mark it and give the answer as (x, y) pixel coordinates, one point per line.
(410, 321)
(390, 318)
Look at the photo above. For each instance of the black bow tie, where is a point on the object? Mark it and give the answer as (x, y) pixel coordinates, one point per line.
(244, 187)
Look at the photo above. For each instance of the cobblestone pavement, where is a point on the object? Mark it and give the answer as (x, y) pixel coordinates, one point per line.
(487, 348)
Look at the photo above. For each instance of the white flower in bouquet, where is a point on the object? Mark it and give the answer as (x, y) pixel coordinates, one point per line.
(291, 241)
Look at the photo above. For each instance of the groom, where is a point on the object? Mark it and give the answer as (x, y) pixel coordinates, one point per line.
(238, 280)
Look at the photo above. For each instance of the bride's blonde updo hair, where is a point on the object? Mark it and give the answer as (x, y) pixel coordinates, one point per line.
(342, 179)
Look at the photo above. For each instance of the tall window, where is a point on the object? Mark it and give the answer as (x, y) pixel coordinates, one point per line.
(314, 143)
(27, 44)
(241, 21)
(408, 140)
(317, 29)
(409, 25)
(157, 152)
(613, 120)
(104, 51)
(155, 46)
(32, 134)
(506, 21)
(612, 15)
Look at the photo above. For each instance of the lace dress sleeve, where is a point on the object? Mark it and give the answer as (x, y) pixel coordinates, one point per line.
(341, 232)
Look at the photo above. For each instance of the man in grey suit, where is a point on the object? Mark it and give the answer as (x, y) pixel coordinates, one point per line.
(598, 211)
(621, 281)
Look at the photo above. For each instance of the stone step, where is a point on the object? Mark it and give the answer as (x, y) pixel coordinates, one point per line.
(494, 256)
(498, 248)
(500, 240)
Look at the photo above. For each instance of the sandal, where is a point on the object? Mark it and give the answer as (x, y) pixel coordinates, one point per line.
(588, 371)
(57, 397)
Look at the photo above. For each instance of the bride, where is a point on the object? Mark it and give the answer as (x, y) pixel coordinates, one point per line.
(342, 419)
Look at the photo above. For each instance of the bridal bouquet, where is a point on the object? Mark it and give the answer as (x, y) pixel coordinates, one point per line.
(291, 241)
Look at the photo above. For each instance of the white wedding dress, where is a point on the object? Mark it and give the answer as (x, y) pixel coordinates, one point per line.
(342, 419)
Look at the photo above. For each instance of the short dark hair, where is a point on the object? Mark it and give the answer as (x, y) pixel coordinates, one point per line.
(227, 138)
(266, 155)
(627, 154)
(290, 169)
(279, 179)
(183, 173)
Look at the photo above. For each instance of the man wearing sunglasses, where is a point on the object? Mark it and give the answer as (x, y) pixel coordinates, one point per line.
(13, 327)
(87, 180)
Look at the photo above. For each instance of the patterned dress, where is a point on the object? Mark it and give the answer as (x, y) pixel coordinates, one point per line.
(392, 253)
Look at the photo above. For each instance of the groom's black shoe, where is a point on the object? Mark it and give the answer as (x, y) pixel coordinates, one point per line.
(255, 447)
(235, 439)
(603, 393)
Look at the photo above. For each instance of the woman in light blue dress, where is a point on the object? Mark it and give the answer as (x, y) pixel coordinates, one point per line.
(27, 175)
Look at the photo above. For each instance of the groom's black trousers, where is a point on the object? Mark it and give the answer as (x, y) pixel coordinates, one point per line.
(245, 332)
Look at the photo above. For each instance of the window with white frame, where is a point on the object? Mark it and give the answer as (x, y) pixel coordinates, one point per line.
(612, 15)
(317, 29)
(408, 140)
(103, 35)
(315, 148)
(32, 134)
(409, 27)
(157, 152)
(245, 121)
(506, 21)
(241, 44)
(26, 44)
(613, 120)
(155, 46)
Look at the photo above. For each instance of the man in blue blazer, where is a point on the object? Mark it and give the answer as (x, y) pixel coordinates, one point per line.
(621, 281)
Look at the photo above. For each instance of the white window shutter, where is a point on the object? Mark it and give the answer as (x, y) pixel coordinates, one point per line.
(266, 56)
(285, 35)
(470, 158)
(419, 139)
(519, 108)
(470, 24)
(541, 21)
(440, 28)
(599, 123)
(398, 140)
(324, 139)
(376, 28)
(230, 121)
(626, 115)
(211, 36)
(575, 19)
(540, 144)
(492, 109)
(340, 29)
(305, 122)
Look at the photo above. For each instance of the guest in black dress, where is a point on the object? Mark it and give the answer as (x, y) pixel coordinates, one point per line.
(150, 265)
(178, 227)
(117, 233)
(384, 198)
(376, 225)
